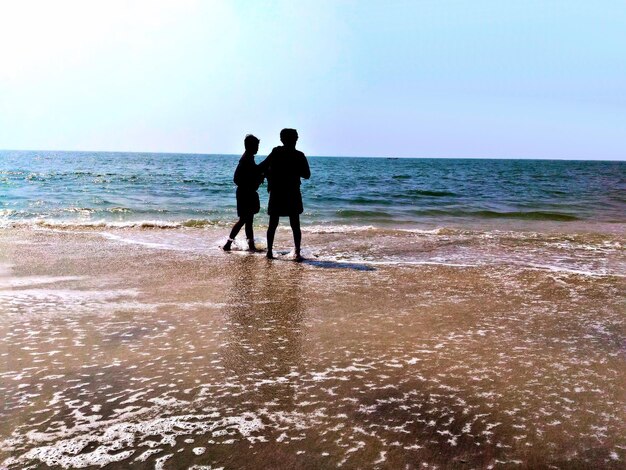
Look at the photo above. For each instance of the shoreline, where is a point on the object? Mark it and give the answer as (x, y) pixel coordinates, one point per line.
(312, 225)
(591, 250)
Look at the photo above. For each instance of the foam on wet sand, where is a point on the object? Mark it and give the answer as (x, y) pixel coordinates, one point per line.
(118, 350)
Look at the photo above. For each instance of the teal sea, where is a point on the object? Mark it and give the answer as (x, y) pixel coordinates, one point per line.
(197, 190)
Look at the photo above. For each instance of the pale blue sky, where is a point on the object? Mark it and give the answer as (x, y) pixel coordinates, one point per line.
(537, 79)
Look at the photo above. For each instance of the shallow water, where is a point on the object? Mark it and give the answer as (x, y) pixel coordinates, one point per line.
(386, 348)
(583, 252)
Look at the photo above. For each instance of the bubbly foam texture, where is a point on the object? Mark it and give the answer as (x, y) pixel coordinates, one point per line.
(331, 228)
(9, 283)
(101, 223)
(115, 435)
(583, 254)
(173, 358)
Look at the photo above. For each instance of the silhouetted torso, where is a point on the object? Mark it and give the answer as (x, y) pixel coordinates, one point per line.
(248, 177)
(284, 167)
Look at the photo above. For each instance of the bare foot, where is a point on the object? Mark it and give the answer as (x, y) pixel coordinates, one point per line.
(269, 255)
(298, 258)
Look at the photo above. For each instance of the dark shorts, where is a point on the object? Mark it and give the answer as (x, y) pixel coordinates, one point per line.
(283, 203)
(247, 203)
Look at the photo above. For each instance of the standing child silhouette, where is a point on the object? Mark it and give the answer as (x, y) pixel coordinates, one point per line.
(284, 167)
(248, 178)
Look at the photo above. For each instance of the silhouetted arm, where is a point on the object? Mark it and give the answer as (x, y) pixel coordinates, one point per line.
(305, 171)
(237, 176)
(265, 164)
(264, 168)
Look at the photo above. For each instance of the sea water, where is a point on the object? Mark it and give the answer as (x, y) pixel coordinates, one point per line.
(95, 188)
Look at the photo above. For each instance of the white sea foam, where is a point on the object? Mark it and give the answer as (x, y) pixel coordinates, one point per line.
(18, 282)
(563, 269)
(136, 241)
(98, 223)
(53, 302)
(434, 231)
(356, 260)
(114, 438)
(66, 295)
(330, 228)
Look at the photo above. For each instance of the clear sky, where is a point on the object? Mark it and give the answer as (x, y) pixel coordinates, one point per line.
(537, 79)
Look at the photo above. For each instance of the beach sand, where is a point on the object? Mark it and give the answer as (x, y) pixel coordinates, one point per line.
(118, 349)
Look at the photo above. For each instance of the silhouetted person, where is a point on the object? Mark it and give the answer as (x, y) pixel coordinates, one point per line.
(248, 177)
(284, 167)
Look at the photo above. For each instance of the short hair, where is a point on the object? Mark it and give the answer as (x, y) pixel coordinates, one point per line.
(250, 140)
(289, 135)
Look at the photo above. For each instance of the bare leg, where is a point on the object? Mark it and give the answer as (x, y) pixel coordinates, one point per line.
(233, 233)
(294, 221)
(271, 230)
(250, 233)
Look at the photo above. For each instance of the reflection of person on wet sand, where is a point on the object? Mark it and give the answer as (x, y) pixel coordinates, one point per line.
(284, 167)
(248, 178)
(265, 314)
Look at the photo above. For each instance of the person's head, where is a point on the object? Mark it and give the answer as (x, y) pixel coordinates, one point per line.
(251, 143)
(289, 137)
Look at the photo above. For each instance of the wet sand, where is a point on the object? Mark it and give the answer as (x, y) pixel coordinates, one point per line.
(133, 355)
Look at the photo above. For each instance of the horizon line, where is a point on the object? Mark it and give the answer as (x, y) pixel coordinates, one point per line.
(392, 157)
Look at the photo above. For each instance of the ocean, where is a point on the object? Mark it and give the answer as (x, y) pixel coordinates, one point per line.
(125, 189)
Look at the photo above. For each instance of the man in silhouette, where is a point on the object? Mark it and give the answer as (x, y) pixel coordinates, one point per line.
(248, 178)
(284, 167)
